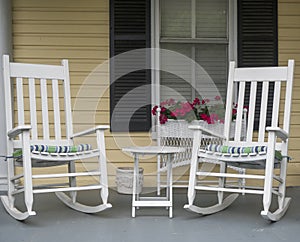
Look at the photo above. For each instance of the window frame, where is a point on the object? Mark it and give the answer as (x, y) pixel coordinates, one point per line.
(234, 52)
(155, 43)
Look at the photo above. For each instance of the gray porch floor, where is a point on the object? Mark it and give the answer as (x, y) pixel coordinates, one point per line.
(240, 222)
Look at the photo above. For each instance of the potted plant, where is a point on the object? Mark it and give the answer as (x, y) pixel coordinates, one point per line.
(210, 113)
(204, 109)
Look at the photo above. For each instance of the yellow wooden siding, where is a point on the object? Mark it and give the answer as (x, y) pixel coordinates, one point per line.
(78, 30)
(289, 48)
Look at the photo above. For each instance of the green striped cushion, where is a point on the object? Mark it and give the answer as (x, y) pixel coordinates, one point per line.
(56, 149)
(240, 150)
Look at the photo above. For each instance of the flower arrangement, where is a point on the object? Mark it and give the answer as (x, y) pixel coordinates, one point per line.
(189, 111)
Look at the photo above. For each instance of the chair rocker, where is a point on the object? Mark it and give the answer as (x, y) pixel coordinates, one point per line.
(266, 149)
(43, 138)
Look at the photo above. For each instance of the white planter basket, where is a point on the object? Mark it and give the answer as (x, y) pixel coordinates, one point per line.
(179, 128)
(176, 128)
(124, 180)
(177, 133)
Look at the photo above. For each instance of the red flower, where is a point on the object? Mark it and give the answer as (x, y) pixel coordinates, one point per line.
(163, 110)
(210, 121)
(154, 109)
(198, 109)
(196, 101)
(163, 119)
(204, 116)
(205, 101)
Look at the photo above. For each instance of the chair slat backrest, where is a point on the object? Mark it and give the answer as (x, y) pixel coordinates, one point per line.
(33, 117)
(42, 93)
(45, 117)
(253, 78)
(56, 109)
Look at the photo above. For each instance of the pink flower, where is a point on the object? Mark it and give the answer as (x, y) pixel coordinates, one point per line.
(179, 112)
(214, 116)
(163, 103)
(171, 101)
(185, 110)
(176, 112)
(187, 107)
(173, 115)
(205, 101)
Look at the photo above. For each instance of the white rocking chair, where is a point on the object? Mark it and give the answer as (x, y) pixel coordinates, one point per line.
(266, 149)
(44, 138)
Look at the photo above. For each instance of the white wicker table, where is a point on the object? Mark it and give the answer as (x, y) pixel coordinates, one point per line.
(157, 201)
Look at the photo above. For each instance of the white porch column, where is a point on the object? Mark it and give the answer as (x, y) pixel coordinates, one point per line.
(5, 48)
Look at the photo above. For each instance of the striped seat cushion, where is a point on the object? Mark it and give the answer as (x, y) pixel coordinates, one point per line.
(241, 150)
(56, 149)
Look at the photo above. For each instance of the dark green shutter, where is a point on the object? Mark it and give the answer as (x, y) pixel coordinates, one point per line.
(130, 92)
(258, 41)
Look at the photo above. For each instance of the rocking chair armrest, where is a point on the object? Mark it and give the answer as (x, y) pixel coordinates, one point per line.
(90, 131)
(280, 133)
(206, 131)
(18, 130)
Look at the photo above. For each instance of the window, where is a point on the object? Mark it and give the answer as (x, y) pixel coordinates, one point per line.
(204, 30)
(209, 32)
(198, 29)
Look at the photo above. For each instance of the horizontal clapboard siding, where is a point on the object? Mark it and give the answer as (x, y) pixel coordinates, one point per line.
(47, 31)
(289, 48)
